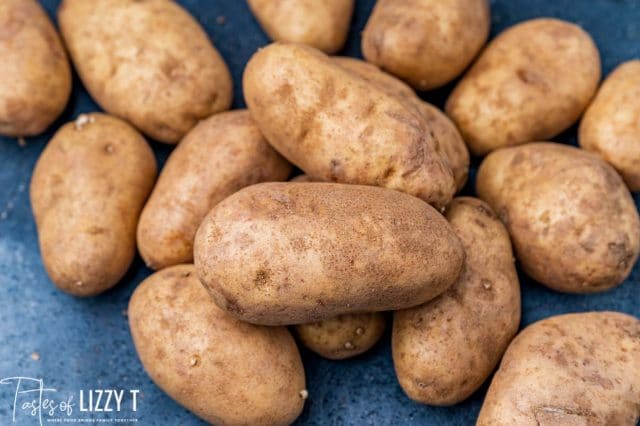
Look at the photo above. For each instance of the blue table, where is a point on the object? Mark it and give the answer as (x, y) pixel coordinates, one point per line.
(78, 345)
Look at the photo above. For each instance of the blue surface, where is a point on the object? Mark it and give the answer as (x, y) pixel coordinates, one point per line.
(85, 344)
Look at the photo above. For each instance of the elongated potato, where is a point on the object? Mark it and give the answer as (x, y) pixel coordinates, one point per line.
(293, 253)
(148, 62)
(444, 350)
(344, 336)
(531, 83)
(448, 141)
(574, 369)
(427, 43)
(217, 158)
(226, 371)
(574, 225)
(611, 125)
(87, 191)
(320, 24)
(35, 77)
(338, 127)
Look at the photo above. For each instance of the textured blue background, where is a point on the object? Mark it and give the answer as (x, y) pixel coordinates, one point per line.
(85, 344)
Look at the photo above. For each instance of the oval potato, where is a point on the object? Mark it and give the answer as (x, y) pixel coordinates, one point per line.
(531, 83)
(611, 125)
(87, 191)
(293, 253)
(337, 127)
(218, 157)
(574, 369)
(320, 24)
(574, 225)
(344, 336)
(210, 362)
(444, 350)
(148, 62)
(35, 77)
(427, 43)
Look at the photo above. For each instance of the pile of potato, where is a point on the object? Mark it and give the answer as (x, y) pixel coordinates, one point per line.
(374, 223)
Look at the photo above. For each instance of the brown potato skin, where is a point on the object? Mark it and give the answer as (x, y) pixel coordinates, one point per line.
(35, 77)
(320, 24)
(427, 43)
(225, 371)
(344, 336)
(449, 142)
(87, 191)
(148, 62)
(531, 83)
(337, 127)
(573, 223)
(611, 125)
(293, 253)
(574, 369)
(444, 350)
(218, 157)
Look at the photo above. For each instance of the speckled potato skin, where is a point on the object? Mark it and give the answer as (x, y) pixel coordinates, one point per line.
(35, 77)
(574, 369)
(444, 350)
(148, 62)
(573, 223)
(87, 191)
(218, 157)
(294, 253)
(448, 141)
(344, 336)
(225, 371)
(337, 127)
(427, 43)
(611, 125)
(531, 83)
(320, 24)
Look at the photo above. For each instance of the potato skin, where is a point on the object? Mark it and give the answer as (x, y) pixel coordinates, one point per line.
(573, 223)
(210, 362)
(521, 90)
(320, 24)
(35, 77)
(574, 369)
(449, 142)
(427, 43)
(293, 253)
(218, 157)
(344, 336)
(612, 131)
(337, 127)
(148, 62)
(87, 191)
(445, 349)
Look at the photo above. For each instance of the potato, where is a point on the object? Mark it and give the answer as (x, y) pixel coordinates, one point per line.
(574, 225)
(444, 350)
(611, 125)
(302, 178)
(87, 191)
(574, 369)
(226, 371)
(293, 253)
(217, 158)
(337, 127)
(449, 142)
(344, 336)
(148, 62)
(427, 43)
(321, 24)
(35, 78)
(531, 83)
